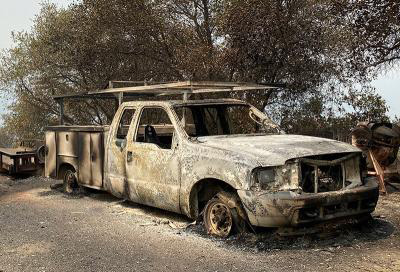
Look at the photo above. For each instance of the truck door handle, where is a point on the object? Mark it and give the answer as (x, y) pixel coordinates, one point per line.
(129, 156)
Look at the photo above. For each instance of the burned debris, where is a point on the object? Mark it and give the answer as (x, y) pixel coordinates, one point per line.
(380, 144)
(26, 158)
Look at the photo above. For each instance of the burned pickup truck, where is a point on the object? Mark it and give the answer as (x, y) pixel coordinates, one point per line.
(222, 159)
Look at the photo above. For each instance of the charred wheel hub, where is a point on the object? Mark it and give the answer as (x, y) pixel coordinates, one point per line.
(220, 218)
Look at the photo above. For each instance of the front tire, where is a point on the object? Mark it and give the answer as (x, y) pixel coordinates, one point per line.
(221, 216)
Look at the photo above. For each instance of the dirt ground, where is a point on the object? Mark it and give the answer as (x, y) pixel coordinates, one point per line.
(43, 229)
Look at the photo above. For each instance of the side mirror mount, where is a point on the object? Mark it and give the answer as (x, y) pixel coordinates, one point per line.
(120, 143)
(175, 141)
(123, 144)
(256, 118)
(267, 124)
(264, 121)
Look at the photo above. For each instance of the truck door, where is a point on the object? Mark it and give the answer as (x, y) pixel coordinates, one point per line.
(152, 161)
(116, 153)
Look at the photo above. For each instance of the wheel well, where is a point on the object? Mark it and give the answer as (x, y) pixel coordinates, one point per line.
(203, 191)
(63, 168)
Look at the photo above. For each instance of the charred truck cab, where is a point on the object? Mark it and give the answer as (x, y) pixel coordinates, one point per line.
(221, 158)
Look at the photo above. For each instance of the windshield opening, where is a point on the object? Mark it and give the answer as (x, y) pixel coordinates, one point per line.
(223, 119)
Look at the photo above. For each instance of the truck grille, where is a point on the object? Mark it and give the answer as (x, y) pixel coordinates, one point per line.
(326, 174)
(342, 209)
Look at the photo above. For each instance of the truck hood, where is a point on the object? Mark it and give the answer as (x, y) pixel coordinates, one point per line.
(274, 150)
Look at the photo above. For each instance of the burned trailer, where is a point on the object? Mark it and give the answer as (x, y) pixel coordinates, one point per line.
(27, 157)
(221, 159)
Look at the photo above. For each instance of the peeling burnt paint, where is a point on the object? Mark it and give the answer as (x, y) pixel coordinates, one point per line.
(281, 209)
(173, 178)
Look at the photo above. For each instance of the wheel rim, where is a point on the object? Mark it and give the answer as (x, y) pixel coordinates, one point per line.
(220, 219)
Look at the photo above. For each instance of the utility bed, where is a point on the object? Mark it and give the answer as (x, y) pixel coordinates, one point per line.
(79, 146)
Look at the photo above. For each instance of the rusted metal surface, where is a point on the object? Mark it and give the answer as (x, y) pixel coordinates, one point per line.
(185, 174)
(380, 143)
(379, 172)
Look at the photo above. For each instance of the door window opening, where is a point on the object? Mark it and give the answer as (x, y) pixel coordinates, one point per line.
(155, 127)
(124, 123)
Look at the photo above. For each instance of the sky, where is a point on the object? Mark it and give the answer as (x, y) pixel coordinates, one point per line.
(17, 15)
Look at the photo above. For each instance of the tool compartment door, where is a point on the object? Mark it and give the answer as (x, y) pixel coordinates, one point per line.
(91, 159)
(84, 173)
(51, 155)
(97, 156)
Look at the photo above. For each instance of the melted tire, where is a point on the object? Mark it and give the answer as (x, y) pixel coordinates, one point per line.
(221, 217)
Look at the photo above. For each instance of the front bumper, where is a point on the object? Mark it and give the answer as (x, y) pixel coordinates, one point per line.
(288, 209)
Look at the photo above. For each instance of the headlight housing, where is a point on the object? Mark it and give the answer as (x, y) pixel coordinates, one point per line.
(277, 178)
(265, 176)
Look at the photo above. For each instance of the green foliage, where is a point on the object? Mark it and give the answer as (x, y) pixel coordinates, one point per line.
(317, 48)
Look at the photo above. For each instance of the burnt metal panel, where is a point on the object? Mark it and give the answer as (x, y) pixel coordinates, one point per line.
(153, 175)
(84, 172)
(67, 144)
(62, 160)
(96, 158)
(51, 155)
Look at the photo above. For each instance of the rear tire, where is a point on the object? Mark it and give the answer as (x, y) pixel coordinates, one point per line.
(221, 215)
(70, 182)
